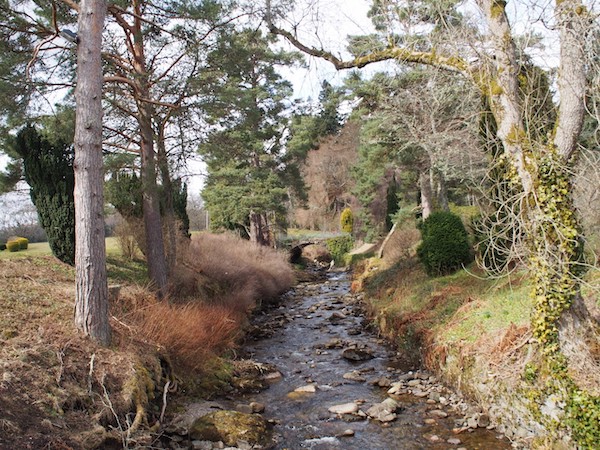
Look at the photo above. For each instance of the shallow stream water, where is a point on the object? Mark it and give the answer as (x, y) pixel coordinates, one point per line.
(317, 314)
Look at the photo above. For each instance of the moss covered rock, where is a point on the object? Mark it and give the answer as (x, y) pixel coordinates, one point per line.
(231, 427)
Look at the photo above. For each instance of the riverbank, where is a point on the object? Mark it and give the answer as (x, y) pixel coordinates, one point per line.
(472, 332)
(59, 390)
(313, 374)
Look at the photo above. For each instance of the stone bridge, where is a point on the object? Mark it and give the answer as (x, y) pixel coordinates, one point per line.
(296, 246)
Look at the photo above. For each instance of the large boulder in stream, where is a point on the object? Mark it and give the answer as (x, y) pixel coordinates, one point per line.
(231, 427)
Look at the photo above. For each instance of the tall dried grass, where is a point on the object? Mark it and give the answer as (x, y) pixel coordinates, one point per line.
(217, 282)
(192, 334)
(227, 270)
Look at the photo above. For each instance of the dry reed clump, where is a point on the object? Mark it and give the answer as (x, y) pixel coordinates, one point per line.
(192, 333)
(227, 270)
(402, 244)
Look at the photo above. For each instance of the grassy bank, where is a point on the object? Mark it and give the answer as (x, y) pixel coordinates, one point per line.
(474, 332)
(456, 310)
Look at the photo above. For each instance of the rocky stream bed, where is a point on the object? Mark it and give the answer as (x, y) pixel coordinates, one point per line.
(313, 374)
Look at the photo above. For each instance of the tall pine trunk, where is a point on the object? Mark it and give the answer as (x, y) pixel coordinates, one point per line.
(170, 220)
(91, 294)
(155, 250)
(259, 229)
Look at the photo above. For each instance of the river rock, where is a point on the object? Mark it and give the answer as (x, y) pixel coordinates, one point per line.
(435, 396)
(231, 427)
(308, 389)
(354, 376)
(334, 343)
(257, 407)
(346, 433)
(483, 421)
(357, 354)
(384, 411)
(396, 388)
(433, 438)
(419, 393)
(346, 408)
(437, 413)
(336, 316)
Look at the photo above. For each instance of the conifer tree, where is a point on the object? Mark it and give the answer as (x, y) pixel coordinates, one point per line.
(48, 168)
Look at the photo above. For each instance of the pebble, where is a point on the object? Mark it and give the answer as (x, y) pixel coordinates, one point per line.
(454, 441)
(420, 394)
(354, 376)
(433, 438)
(273, 376)
(346, 433)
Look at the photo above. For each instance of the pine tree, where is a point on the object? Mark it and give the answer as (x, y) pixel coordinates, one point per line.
(249, 172)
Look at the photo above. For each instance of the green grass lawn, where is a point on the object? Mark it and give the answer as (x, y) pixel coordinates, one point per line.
(43, 249)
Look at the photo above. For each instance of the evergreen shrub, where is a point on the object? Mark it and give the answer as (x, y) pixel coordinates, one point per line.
(13, 246)
(339, 246)
(23, 243)
(347, 220)
(445, 244)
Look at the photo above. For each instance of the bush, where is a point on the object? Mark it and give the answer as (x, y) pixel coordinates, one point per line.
(2, 246)
(13, 246)
(23, 243)
(339, 246)
(347, 220)
(445, 247)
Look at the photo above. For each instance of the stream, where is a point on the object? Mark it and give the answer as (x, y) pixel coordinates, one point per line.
(334, 384)
(322, 323)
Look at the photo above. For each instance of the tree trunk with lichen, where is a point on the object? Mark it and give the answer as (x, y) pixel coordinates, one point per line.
(560, 318)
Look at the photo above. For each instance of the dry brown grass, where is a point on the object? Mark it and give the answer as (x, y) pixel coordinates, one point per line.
(402, 244)
(227, 270)
(193, 333)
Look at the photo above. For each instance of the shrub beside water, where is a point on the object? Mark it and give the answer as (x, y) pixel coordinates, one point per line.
(445, 247)
(339, 246)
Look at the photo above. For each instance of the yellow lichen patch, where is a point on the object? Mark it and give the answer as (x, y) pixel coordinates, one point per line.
(497, 8)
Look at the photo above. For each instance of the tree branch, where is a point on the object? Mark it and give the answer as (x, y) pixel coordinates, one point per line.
(572, 16)
(449, 63)
(120, 79)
